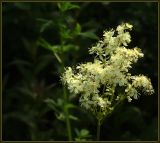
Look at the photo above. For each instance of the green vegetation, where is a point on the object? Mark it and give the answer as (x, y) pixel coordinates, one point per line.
(41, 39)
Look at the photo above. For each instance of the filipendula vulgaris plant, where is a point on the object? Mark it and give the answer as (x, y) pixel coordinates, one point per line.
(96, 82)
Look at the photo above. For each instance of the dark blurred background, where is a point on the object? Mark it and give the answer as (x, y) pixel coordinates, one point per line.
(31, 73)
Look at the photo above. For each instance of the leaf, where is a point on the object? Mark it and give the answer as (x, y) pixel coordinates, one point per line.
(77, 29)
(42, 42)
(77, 131)
(73, 118)
(46, 25)
(60, 102)
(52, 104)
(54, 48)
(84, 133)
(89, 34)
(69, 47)
(65, 6)
(66, 34)
(61, 116)
(68, 106)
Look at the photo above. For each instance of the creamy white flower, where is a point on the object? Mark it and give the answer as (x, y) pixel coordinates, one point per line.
(129, 26)
(131, 92)
(108, 36)
(120, 29)
(144, 82)
(125, 38)
(96, 81)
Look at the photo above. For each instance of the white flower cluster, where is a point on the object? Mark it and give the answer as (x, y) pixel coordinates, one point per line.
(144, 83)
(110, 42)
(96, 81)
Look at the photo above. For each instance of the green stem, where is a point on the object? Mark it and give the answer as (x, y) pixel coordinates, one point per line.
(58, 58)
(98, 130)
(68, 124)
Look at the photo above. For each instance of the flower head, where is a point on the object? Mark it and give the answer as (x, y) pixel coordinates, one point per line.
(97, 82)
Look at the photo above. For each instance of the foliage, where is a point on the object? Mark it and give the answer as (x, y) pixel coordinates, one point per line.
(40, 39)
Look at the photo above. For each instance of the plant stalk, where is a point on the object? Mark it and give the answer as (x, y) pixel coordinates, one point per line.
(68, 124)
(98, 130)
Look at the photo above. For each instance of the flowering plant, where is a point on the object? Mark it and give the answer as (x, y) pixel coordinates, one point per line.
(99, 82)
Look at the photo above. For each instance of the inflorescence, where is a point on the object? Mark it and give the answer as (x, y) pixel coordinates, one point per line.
(104, 83)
